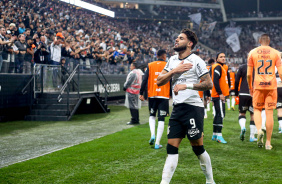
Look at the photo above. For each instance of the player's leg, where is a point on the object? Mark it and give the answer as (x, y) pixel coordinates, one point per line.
(228, 102)
(195, 136)
(205, 105)
(258, 104)
(163, 106)
(270, 104)
(279, 108)
(204, 158)
(218, 120)
(233, 103)
(242, 123)
(269, 127)
(171, 160)
(243, 106)
(215, 102)
(263, 120)
(175, 134)
(152, 119)
(279, 115)
(252, 128)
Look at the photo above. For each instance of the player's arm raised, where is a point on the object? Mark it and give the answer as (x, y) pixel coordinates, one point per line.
(206, 83)
(165, 76)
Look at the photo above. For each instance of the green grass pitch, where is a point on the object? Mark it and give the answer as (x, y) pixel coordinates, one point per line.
(126, 157)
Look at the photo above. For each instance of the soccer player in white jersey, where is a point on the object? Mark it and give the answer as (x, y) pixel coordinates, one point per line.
(187, 118)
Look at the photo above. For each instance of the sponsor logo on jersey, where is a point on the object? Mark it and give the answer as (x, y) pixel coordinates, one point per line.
(194, 131)
(265, 83)
(158, 89)
(157, 73)
(244, 108)
(271, 104)
(162, 113)
(181, 80)
(263, 51)
(260, 104)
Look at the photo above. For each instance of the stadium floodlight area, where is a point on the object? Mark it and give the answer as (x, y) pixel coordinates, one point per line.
(90, 7)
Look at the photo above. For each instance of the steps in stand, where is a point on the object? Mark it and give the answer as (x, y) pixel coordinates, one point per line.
(47, 108)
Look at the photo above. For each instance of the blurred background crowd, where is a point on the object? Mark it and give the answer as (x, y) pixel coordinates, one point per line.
(41, 31)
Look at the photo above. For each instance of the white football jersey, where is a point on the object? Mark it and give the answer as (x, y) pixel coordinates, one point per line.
(189, 77)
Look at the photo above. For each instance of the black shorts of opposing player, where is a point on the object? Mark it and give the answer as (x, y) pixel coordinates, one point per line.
(279, 98)
(246, 103)
(158, 104)
(232, 92)
(187, 120)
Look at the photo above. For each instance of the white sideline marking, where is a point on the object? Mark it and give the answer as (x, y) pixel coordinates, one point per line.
(59, 149)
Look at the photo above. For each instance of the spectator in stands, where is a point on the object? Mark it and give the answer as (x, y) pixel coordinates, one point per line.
(10, 57)
(56, 49)
(4, 42)
(29, 56)
(13, 29)
(100, 56)
(41, 53)
(21, 28)
(21, 47)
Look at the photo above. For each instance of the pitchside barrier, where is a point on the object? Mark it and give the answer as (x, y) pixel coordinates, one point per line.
(17, 90)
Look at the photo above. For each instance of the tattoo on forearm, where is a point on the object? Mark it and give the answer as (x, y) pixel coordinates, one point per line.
(206, 83)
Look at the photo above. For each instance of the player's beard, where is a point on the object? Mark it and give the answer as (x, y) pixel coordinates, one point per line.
(179, 49)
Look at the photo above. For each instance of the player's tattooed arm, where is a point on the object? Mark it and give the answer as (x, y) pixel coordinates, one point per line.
(206, 83)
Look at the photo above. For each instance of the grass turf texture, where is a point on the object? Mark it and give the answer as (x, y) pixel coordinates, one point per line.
(127, 157)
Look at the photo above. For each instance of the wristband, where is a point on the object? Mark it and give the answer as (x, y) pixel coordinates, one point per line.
(189, 86)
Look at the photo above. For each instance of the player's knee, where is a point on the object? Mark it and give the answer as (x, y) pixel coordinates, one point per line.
(198, 150)
(171, 149)
(242, 116)
(161, 118)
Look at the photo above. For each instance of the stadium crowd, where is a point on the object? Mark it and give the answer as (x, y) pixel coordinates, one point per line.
(46, 31)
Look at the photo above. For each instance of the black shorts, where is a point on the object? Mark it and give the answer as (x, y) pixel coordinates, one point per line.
(187, 120)
(232, 92)
(158, 104)
(279, 98)
(246, 103)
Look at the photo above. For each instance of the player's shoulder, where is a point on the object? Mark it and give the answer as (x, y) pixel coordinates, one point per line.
(275, 51)
(174, 58)
(242, 67)
(253, 51)
(195, 57)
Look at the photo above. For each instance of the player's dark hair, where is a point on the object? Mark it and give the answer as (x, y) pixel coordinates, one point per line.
(264, 35)
(218, 55)
(160, 53)
(134, 64)
(211, 61)
(191, 36)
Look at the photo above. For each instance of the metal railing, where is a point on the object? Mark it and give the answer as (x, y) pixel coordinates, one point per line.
(66, 86)
(105, 84)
